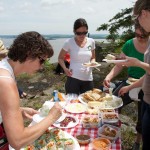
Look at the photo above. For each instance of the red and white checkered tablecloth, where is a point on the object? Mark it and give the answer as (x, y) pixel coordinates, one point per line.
(78, 129)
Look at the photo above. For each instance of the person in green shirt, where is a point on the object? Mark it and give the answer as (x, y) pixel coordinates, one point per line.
(136, 48)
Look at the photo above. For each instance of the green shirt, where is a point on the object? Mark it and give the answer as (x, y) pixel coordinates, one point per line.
(129, 50)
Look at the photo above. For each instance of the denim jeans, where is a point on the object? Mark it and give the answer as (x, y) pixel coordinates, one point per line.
(146, 126)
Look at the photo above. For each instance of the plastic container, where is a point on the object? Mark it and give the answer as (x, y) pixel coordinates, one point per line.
(110, 132)
(83, 139)
(101, 144)
(91, 122)
(111, 117)
(105, 111)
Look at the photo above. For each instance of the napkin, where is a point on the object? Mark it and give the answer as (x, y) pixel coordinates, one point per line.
(134, 93)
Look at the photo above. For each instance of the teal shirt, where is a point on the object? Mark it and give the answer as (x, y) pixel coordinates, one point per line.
(129, 50)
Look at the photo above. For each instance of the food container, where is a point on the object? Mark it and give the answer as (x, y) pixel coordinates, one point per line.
(110, 132)
(105, 111)
(111, 117)
(91, 122)
(83, 139)
(101, 144)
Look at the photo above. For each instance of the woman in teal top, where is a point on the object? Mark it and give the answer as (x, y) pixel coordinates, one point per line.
(136, 48)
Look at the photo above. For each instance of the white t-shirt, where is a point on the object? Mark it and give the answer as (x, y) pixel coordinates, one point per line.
(5, 65)
(78, 56)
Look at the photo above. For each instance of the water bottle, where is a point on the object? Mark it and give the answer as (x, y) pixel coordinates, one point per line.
(55, 96)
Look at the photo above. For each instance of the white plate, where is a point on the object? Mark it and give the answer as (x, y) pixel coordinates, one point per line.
(90, 66)
(115, 103)
(115, 61)
(70, 125)
(76, 145)
(131, 80)
(76, 108)
(37, 117)
(128, 82)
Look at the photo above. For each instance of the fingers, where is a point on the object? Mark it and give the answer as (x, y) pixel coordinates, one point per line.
(106, 83)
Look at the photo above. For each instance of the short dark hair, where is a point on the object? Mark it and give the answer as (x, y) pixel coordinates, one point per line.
(80, 23)
(30, 45)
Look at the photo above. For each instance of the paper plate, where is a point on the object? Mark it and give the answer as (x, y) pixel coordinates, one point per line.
(115, 61)
(38, 117)
(70, 125)
(76, 108)
(91, 66)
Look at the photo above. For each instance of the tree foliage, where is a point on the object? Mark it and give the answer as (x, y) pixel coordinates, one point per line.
(122, 20)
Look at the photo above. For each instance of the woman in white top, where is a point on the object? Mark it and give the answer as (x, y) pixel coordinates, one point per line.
(27, 54)
(81, 50)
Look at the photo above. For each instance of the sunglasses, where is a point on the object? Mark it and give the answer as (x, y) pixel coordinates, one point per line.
(42, 60)
(81, 33)
(142, 36)
(135, 17)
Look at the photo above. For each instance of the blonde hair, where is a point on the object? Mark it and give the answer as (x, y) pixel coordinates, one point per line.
(141, 5)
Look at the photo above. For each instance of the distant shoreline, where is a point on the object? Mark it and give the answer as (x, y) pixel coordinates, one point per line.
(57, 36)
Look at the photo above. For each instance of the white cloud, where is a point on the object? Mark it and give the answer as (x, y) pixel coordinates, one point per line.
(88, 10)
(25, 7)
(56, 16)
(48, 3)
(1, 9)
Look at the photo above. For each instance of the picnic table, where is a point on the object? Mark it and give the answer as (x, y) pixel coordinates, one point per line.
(92, 132)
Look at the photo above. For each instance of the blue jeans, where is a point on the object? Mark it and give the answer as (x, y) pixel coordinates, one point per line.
(146, 126)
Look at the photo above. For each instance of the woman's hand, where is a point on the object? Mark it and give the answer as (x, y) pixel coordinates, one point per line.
(106, 83)
(55, 112)
(68, 72)
(123, 90)
(28, 113)
(130, 62)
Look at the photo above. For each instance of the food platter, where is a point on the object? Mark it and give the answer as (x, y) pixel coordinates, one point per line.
(76, 108)
(63, 136)
(91, 65)
(115, 103)
(38, 117)
(71, 124)
(115, 61)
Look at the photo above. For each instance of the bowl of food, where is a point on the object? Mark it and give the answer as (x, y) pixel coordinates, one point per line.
(83, 139)
(110, 132)
(101, 144)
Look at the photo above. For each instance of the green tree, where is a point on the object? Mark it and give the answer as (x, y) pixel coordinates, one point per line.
(122, 20)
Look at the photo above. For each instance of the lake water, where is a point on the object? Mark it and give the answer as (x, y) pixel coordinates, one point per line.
(56, 44)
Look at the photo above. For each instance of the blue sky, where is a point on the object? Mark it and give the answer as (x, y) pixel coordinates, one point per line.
(56, 16)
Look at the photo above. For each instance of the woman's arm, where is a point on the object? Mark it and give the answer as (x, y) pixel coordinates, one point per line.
(61, 62)
(18, 135)
(93, 56)
(135, 62)
(113, 73)
(137, 84)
